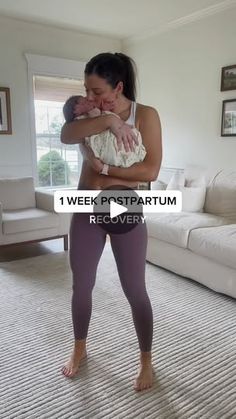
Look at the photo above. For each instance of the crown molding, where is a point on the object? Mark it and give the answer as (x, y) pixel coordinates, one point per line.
(193, 17)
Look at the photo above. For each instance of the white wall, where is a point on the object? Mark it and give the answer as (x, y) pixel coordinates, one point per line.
(17, 38)
(179, 74)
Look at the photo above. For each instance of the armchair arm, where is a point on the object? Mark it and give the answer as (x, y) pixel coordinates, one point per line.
(1, 209)
(45, 200)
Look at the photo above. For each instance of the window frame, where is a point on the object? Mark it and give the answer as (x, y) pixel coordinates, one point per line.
(40, 65)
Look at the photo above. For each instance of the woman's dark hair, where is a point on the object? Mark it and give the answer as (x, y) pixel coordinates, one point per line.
(114, 68)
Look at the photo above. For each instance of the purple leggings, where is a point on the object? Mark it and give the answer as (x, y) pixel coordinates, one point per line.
(87, 242)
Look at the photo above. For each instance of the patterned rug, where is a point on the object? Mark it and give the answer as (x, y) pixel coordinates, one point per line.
(194, 347)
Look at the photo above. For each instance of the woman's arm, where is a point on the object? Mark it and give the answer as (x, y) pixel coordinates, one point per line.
(148, 169)
(75, 132)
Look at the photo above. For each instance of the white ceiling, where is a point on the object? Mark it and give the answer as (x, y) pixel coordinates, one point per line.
(117, 18)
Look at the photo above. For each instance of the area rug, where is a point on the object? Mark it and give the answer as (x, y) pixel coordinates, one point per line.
(194, 347)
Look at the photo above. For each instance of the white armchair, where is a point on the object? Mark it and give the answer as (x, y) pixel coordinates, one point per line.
(27, 215)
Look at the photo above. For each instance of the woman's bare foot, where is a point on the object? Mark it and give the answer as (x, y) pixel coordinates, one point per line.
(144, 379)
(71, 367)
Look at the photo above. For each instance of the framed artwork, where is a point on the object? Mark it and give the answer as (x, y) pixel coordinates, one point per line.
(5, 111)
(228, 78)
(228, 121)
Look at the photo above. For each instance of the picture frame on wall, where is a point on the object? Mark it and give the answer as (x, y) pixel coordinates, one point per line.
(228, 120)
(228, 78)
(5, 111)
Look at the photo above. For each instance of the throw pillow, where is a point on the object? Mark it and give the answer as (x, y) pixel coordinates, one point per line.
(193, 195)
(158, 185)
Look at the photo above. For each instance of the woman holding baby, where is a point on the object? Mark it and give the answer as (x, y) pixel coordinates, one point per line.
(110, 83)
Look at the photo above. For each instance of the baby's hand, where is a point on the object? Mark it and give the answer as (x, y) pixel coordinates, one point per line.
(83, 106)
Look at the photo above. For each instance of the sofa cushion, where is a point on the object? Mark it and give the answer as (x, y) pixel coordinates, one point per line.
(174, 228)
(28, 220)
(193, 198)
(221, 195)
(158, 185)
(176, 182)
(216, 243)
(193, 191)
(17, 193)
(193, 173)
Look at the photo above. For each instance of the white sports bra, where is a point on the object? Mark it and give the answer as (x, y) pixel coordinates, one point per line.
(131, 119)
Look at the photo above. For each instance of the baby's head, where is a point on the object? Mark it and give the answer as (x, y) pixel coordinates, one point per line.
(69, 107)
(76, 106)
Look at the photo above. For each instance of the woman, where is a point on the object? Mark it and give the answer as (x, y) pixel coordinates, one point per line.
(110, 83)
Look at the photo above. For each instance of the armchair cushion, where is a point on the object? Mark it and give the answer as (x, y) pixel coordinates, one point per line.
(23, 220)
(17, 193)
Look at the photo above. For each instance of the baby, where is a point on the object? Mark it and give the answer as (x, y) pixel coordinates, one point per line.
(104, 145)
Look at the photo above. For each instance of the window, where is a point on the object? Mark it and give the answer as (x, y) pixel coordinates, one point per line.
(58, 164)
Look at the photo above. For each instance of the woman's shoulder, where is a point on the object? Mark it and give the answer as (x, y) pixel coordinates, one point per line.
(145, 109)
(144, 112)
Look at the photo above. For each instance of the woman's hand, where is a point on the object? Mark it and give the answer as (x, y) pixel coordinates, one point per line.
(96, 164)
(89, 155)
(123, 133)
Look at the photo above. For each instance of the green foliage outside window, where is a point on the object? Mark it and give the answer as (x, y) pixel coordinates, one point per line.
(53, 170)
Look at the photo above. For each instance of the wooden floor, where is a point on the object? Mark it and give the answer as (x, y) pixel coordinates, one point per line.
(24, 251)
(30, 250)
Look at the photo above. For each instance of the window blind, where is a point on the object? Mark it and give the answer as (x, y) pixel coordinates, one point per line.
(57, 89)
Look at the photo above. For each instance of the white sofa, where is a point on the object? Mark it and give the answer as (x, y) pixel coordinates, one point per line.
(199, 245)
(27, 215)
